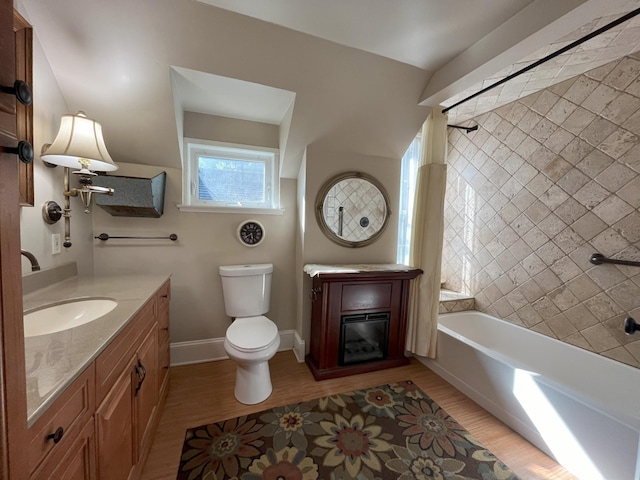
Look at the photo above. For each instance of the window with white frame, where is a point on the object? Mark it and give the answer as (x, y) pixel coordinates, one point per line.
(408, 179)
(219, 176)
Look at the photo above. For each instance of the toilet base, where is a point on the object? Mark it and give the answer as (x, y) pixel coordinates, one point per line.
(253, 378)
(253, 383)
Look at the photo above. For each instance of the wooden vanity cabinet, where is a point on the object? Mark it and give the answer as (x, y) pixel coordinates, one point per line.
(109, 413)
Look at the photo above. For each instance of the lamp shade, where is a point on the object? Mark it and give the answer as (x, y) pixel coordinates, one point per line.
(79, 138)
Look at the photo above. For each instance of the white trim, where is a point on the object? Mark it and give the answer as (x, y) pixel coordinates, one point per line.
(268, 156)
(212, 349)
(299, 348)
(252, 211)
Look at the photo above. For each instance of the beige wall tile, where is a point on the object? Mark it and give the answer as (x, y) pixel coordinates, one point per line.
(554, 178)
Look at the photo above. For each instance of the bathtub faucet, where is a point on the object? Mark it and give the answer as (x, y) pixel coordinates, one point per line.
(35, 266)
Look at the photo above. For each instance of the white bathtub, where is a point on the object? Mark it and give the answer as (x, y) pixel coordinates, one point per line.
(578, 407)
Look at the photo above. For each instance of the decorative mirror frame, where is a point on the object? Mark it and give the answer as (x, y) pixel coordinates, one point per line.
(320, 200)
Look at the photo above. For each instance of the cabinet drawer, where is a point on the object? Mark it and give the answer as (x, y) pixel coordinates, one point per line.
(77, 462)
(115, 358)
(366, 296)
(69, 413)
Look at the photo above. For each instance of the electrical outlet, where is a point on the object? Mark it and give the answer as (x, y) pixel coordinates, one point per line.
(55, 243)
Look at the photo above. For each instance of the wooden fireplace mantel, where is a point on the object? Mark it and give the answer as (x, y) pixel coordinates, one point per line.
(341, 290)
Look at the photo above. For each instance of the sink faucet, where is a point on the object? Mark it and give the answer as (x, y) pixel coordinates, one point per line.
(35, 266)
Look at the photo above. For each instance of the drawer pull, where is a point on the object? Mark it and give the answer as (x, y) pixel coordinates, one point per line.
(166, 295)
(57, 435)
(165, 328)
(142, 373)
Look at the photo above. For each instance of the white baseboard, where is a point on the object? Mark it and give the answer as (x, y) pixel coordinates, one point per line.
(299, 348)
(211, 349)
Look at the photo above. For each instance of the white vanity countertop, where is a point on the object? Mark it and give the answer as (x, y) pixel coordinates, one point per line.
(313, 269)
(53, 361)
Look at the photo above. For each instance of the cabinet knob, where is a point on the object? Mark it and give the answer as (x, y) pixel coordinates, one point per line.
(57, 435)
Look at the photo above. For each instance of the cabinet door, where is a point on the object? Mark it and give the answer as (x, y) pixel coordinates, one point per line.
(114, 429)
(146, 392)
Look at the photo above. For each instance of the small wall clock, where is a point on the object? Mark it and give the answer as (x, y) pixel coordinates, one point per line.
(251, 233)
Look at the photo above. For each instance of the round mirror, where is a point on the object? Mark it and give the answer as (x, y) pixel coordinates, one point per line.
(352, 209)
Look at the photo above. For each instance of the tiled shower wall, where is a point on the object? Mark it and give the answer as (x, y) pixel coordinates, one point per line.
(541, 185)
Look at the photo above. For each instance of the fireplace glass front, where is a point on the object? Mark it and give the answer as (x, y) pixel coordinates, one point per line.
(364, 337)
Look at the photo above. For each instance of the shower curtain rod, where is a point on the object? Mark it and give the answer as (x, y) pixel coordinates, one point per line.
(537, 63)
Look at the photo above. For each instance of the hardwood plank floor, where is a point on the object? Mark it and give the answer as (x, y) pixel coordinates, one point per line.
(203, 393)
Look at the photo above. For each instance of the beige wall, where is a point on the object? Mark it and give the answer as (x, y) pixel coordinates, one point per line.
(48, 107)
(205, 241)
(545, 182)
(321, 165)
(231, 130)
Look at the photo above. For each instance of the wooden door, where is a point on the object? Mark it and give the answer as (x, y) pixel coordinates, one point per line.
(114, 429)
(13, 404)
(147, 392)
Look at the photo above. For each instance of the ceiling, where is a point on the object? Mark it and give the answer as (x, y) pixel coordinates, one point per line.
(406, 31)
(358, 76)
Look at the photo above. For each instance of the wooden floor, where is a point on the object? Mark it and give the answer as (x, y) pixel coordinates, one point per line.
(203, 393)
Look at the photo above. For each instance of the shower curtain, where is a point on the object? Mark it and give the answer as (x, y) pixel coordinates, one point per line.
(426, 237)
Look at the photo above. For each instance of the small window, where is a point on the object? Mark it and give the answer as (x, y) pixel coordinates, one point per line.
(408, 179)
(219, 176)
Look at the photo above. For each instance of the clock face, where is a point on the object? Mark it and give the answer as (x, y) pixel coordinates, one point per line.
(251, 233)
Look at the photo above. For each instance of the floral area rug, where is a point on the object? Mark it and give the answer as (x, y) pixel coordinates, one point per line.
(388, 432)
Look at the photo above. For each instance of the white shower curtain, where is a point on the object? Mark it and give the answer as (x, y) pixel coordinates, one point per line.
(426, 237)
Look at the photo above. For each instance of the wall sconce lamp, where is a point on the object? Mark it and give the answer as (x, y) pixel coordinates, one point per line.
(79, 145)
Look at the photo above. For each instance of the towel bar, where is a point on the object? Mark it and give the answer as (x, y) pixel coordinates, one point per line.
(105, 236)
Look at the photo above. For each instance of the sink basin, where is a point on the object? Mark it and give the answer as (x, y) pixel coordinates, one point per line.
(65, 315)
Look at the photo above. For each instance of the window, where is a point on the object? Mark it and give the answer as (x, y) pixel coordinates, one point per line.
(227, 177)
(408, 178)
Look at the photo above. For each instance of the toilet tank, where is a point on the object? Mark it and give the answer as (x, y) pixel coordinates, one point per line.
(246, 289)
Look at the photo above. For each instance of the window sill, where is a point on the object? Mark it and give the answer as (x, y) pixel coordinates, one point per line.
(253, 211)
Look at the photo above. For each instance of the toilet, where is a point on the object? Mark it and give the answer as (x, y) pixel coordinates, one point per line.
(252, 339)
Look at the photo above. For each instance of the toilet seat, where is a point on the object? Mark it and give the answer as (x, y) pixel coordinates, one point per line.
(250, 334)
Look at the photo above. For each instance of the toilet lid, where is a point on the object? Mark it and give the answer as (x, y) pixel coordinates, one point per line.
(251, 333)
